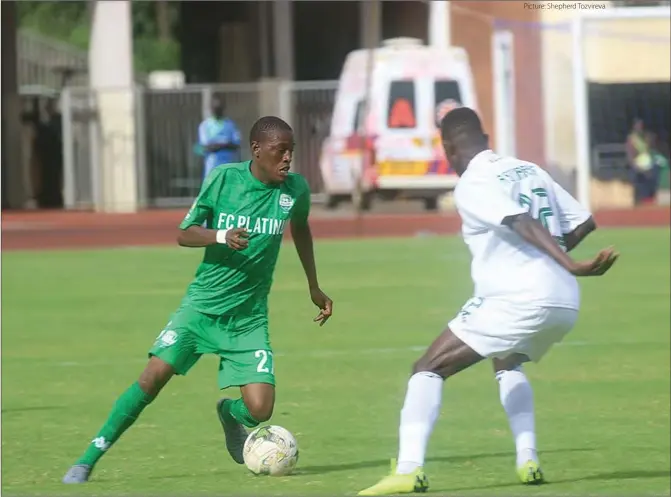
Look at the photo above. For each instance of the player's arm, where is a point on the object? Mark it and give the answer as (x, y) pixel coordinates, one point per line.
(191, 232)
(229, 141)
(208, 144)
(575, 237)
(232, 140)
(576, 221)
(534, 233)
(486, 204)
(302, 236)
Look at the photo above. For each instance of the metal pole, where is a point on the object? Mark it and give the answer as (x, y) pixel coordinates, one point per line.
(504, 92)
(141, 147)
(581, 107)
(439, 23)
(370, 17)
(97, 152)
(264, 41)
(283, 40)
(68, 149)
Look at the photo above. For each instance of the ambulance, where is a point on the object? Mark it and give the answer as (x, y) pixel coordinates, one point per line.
(394, 151)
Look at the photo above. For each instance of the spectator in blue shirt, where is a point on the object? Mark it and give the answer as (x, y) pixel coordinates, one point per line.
(218, 139)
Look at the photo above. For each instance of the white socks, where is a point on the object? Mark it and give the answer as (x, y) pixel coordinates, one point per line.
(419, 413)
(518, 401)
(422, 407)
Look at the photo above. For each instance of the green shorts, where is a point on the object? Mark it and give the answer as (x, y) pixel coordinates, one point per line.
(241, 342)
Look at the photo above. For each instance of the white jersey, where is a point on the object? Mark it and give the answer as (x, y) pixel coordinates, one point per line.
(504, 266)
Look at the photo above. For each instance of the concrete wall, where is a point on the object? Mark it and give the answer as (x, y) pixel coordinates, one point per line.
(472, 27)
(629, 51)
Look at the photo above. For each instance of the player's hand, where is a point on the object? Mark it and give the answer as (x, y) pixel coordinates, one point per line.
(599, 265)
(325, 304)
(237, 238)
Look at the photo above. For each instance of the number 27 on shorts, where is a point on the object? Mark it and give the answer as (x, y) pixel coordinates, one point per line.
(265, 364)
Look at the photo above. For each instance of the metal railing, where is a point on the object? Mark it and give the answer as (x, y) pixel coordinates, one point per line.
(162, 131)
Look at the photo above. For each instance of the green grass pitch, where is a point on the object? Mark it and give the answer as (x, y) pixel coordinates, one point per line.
(76, 327)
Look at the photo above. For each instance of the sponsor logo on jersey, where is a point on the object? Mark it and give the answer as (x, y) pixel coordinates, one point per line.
(286, 202)
(261, 225)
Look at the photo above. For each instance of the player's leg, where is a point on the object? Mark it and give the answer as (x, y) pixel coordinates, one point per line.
(173, 352)
(256, 404)
(536, 330)
(517, 400)
(252, 368)
(124, 412)
(444, 358)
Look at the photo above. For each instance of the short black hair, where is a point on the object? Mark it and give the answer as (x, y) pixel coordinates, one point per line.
(461, 122)
(265, 125)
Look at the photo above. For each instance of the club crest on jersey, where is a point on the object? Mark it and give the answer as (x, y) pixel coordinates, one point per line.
(286, 202)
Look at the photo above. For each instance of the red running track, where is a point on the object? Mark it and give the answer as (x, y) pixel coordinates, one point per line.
(39, 230)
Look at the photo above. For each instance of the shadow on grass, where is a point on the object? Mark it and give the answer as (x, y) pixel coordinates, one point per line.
(615, 475)
(311, 470)
(380, 463)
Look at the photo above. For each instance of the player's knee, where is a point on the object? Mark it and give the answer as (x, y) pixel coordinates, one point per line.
(155, 376)
(260, 409)
(511, 363)
(426, 365)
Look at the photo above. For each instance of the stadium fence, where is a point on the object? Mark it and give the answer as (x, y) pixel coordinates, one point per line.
(160, 137)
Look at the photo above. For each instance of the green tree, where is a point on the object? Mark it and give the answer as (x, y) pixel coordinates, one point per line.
(154, 24)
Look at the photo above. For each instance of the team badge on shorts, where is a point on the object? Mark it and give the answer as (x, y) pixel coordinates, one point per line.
(167, 338)
(286, 202)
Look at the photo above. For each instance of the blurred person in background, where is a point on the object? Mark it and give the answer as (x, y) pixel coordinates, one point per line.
(218, 139)
(49, 152)
(644, 171)
(660, 164)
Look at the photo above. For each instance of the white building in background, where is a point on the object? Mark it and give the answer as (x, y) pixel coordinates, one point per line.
(615, 51)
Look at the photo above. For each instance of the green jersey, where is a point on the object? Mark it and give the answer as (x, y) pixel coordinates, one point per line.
(238, 281)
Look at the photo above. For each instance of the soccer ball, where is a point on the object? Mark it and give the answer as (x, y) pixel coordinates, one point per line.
(271, 450)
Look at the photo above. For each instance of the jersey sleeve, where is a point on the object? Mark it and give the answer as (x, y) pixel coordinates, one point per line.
(571, 213)
(301, 210)
(203, 207)
(485, 203)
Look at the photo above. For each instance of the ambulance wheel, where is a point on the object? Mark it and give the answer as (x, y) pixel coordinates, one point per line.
(332, 202)
(431, 203)
(366, 201)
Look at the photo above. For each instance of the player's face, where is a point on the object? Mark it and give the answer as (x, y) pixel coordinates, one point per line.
(274, 154)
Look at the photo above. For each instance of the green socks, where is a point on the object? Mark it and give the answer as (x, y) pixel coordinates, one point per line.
(237, 410)
(124, 413)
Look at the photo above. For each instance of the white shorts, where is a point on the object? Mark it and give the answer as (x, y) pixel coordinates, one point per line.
(497, 329)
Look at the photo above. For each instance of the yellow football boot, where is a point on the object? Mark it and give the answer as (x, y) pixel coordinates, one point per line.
(395, 484)
(530, 473)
